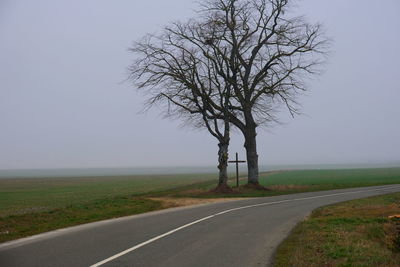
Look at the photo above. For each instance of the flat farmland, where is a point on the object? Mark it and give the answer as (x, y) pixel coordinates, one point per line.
(25, 195)
(333, 178)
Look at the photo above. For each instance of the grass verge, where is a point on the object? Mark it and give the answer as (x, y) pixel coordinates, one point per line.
(17, 226)
(353, 233)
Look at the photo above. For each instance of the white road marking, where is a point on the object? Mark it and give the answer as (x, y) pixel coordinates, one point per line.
(223, 212)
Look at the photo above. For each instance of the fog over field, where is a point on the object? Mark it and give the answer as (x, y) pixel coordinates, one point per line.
(64, 102)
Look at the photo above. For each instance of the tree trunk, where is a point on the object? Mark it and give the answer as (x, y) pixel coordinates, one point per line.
(250, 145)
(223, 163)
(223, 147)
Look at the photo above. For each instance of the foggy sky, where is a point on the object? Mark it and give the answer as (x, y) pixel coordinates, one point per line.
(63, 102)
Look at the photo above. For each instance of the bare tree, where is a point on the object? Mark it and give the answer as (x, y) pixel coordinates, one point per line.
(237, 62)
(177, 77)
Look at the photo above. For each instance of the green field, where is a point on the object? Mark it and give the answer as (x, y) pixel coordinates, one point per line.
(295, 181)
(25, 195)
(33, 205)
(334, 178)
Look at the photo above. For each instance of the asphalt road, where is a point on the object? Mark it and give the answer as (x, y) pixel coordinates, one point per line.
(236, 233)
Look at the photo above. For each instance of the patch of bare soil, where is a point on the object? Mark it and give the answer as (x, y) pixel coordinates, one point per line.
(254, 187)
(224, 189)
(170, 202)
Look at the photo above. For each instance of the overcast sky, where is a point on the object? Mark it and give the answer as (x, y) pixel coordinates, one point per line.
(63, 102)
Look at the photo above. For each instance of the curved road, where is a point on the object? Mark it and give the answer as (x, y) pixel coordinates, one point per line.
(235, 233)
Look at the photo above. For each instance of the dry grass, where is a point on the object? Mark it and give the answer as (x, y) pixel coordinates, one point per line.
(243, 191)
(170, 202)
(354, 233)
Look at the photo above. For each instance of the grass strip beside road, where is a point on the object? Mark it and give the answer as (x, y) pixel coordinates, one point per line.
(17, 226)
(353, 233)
